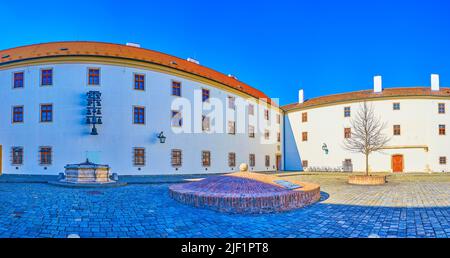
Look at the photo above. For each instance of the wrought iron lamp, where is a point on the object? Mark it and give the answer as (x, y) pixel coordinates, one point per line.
(325, 148)
(161, 137)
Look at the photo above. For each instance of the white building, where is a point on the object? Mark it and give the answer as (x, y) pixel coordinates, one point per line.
(417, 122)
(44, 109)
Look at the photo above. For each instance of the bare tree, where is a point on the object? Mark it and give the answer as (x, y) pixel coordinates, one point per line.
(366, 133)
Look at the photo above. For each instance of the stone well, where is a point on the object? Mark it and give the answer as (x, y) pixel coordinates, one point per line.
(87, 173)
(367, 180)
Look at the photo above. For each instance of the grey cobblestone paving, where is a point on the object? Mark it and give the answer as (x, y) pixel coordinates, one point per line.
(399, 209)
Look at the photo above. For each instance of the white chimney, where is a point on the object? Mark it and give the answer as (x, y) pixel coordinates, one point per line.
(133, 45)
(192, 60)
(301, 97)
(435, 82)
(377, 84)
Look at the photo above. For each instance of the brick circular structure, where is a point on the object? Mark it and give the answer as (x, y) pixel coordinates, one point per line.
(367, 180)
(234, 194)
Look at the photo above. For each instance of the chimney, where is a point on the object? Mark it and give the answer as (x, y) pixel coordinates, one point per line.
(377, 84)
(130, 44)
(301, 97)
(435, 82)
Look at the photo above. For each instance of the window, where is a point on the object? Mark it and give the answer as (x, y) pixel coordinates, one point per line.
(45, 155)
(231, 159)
(139, 156)
(252, 160)
(205, 95)
(267, 161)
(441, 129)
(347, 111)
(266, 114)
(46, 113)
(176, 88)
(251, 131)
(231, 127)
(17, 155)
(251, 109)
(139, 115)
(177, 119)
(304, 163)
(139, 82)
(442, 160)
(206, 124)
(94, 76)
(396, 106)
(18, 80)
(232, 102)
(304, 117)
(441, 108)
(278, 137)
(347, 133)
(46, 77)
(396, 129)
(266, 134)
(278, 119)
(17, 114)
(305, 136)
(206, 158)
(176, 158)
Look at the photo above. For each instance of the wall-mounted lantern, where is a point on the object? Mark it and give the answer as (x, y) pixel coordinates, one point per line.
(325, 148)
(161, 137)
(94, 113)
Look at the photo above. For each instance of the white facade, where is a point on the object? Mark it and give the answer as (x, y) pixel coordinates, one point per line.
(69, 136)
(419, 141)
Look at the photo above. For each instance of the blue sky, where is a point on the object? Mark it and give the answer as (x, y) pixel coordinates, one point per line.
(324, 47)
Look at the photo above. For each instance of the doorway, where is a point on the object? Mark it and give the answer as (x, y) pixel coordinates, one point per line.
(397, 163)
(278, 159)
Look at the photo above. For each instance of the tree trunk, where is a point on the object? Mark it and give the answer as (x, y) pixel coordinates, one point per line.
(367, 164)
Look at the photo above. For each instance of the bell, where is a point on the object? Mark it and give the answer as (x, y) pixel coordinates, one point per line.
(99, 121)
(88, 121)
(99, 112)
(89, 112)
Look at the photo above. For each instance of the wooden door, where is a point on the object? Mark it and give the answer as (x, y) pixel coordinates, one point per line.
(397, 163)
(278, 162)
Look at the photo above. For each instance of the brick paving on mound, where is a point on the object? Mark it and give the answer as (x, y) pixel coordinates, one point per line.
(244, 193)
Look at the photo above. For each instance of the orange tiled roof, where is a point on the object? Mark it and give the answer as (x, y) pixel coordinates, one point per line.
(369, 94)
(83, 48)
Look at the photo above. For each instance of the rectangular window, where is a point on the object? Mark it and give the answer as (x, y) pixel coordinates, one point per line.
(397, 130)
(231, 127)
(17, 155)
(266, 134)
(278, 137)
(278, 119)
(441, 108)
(45, 155)
(396, 106)
(46, 113)
(46, 77)
(304, 163)
(206, 126)
(176, 158)
(18, 80)
(205, 95)
(347, 112)
(442, 160)
(267, 161)
(177, 119)
(176, 88)
(231, 159)
(139, 115)
(252, 160)
(232, 102)
(305, 136)
(347, 133)
(206, 158)
(441, 129)
(17, 114)
(304, 117)
(251, 109)
(139, 156)
(94, 76)
(251, 131)
(139, 82)
(266, 114)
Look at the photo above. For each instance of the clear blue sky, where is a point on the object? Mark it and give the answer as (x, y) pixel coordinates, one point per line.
(277, 46)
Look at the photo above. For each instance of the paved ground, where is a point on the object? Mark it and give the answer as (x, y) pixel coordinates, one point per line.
(409, 206)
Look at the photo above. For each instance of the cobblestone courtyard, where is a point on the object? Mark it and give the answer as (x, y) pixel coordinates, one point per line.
(408, 206)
